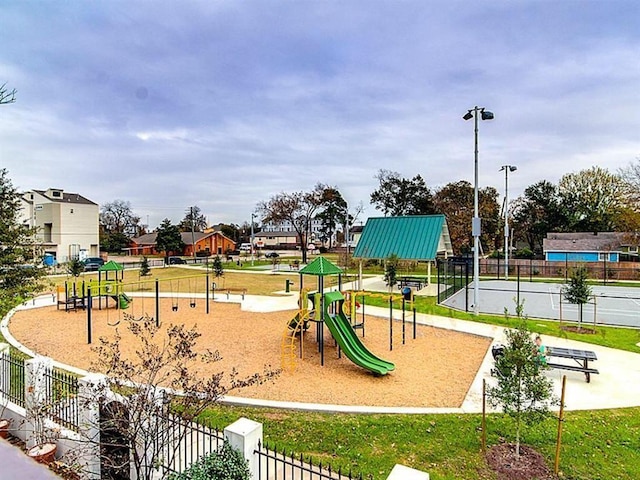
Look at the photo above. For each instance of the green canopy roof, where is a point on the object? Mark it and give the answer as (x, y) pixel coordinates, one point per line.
(321, 267)
(111, 266)
(415, 237)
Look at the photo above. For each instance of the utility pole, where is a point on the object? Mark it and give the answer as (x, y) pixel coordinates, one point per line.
(193, 236)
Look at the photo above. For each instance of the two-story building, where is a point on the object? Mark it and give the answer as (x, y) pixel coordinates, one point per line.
(67, 224)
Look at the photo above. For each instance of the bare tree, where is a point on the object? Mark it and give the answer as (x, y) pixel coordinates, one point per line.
(297, 208)
(6, 95)
(162, 360)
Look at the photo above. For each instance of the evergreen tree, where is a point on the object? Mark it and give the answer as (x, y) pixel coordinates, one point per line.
(75, 267)
(578, 291)
(523, 392)
(168, 238)
(144, 267)
(391, 271)
(17, 250)
(218, 268)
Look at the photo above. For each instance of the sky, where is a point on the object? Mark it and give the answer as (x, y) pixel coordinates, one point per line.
(224, 104)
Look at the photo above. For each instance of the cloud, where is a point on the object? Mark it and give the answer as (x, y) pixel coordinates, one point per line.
(223, 104)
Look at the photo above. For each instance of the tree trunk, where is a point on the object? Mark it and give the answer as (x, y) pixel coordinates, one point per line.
(580, 317)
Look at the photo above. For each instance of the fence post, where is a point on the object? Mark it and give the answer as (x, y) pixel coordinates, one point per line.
(244, 435)
(5, 374)
(89, 424)
(35, 394)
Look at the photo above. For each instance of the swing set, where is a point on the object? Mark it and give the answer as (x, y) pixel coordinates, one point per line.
(116, 290)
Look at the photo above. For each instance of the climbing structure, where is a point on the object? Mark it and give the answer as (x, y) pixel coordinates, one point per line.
(294, 329)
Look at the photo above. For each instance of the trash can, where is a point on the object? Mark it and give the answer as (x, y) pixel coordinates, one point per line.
(406, 293)
(49, 260)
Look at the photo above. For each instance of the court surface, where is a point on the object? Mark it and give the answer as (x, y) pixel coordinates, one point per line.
(613, 305)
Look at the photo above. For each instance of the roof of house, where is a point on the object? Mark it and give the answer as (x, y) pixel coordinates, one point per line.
(356, 228)
(67, 198)
(150, 238)
(586, 241)
(416, 237)
(276, 234)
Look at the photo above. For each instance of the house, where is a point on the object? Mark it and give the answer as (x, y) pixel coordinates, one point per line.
(206, 243)
(590, 247)
(276, 239)
(355, 232)
(67, 223)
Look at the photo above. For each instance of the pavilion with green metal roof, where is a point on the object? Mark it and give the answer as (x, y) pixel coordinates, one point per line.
(416, 237)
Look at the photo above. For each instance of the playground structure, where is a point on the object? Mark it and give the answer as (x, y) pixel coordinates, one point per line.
(78, 296)
(330, 309)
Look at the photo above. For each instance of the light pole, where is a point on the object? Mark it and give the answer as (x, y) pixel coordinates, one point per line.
(475, 224)
(507, 169)
(252, 237)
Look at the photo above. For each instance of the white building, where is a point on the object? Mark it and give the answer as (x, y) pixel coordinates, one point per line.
(67, 223)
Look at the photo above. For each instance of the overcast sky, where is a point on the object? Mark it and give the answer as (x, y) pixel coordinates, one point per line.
(223, 104)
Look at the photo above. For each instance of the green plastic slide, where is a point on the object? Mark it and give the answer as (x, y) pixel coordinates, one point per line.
(349, 342)
(123, 301)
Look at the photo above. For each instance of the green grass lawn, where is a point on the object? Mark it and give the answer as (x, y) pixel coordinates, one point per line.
(614, 337)
(596, 445)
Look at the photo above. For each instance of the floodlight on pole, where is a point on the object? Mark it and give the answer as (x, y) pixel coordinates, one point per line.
(476, 224)
(507, 169)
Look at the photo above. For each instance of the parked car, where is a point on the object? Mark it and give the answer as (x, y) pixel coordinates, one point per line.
(92, 264)
(272, 255)
(175, 261)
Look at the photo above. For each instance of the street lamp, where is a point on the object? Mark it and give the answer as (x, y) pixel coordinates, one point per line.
(475, 224)
(507, 169)
(252, 237)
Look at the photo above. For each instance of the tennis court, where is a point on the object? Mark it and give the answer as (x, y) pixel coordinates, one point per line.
(618, 306)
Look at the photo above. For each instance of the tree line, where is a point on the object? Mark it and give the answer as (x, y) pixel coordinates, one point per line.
(591, 200)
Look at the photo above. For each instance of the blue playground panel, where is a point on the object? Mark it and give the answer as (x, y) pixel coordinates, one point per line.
(618, 306)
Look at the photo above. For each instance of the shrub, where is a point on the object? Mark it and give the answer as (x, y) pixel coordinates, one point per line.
(225, 464)
(523, 253)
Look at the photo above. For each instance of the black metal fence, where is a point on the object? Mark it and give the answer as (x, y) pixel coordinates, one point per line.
(12, 381)
(280, 466)
(182, 442)
(62, 398)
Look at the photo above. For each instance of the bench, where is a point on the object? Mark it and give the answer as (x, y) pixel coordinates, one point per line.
(411, 282)
(241, 291)
(581, 357)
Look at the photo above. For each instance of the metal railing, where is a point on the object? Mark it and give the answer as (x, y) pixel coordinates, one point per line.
(182, 442)
(62, 398)
(280, 466)
(12, 378)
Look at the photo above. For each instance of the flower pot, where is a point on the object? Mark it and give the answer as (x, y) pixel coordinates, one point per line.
(4, 427)
(43, 453)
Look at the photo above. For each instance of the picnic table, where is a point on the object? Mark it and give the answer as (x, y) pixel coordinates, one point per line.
(416, 282)
(581, 358)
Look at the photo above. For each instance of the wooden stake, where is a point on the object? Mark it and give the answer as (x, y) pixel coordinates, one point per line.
(560, 420)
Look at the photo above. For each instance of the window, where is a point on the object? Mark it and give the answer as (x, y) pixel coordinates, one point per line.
(603, 257)
(55, 193)
(633, 249)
